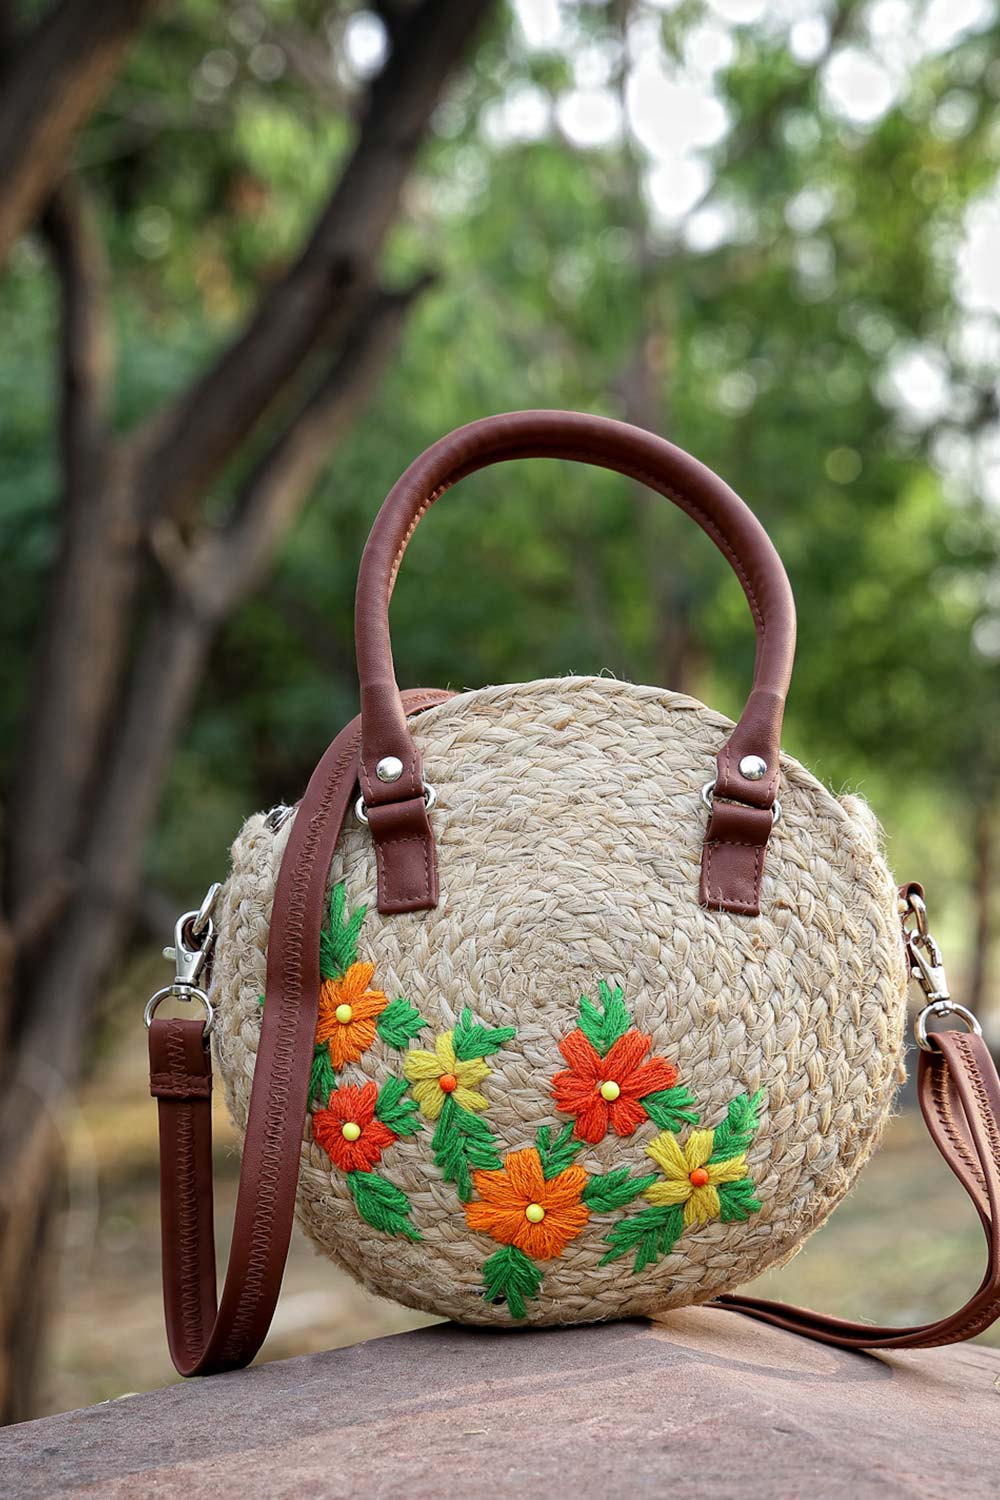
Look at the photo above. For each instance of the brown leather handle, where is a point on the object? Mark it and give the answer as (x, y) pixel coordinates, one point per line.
(741, 821)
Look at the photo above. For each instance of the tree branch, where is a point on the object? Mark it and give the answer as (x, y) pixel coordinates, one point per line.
(83, 635)
(184, 450)
(50, 81)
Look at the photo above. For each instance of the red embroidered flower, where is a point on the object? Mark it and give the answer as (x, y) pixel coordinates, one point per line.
(607, 1091)
(348, 1130)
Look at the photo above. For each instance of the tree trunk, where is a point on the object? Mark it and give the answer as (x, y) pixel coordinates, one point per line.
(144, 580)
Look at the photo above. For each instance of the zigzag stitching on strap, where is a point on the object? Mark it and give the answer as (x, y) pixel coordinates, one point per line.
(271, 1155)
(187, 1205)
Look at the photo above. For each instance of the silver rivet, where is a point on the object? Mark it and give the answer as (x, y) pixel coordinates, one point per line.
(389, 768)
(753, 767)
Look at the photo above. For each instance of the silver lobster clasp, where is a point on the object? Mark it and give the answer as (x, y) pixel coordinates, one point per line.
(194, 939)
(926, 964)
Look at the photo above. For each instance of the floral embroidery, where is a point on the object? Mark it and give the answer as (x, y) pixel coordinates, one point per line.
(705, 1179)
(438, 1075)
(443, 1082)
(351, 1012)
(534, 1206)
(354, 1129)
(349, 1132)
(348, 1010)
(610, 1082)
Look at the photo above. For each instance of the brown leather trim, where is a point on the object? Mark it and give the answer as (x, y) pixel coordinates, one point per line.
(734, 853)
(203, 1338)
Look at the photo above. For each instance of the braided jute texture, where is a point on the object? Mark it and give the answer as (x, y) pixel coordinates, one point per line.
(569, 831)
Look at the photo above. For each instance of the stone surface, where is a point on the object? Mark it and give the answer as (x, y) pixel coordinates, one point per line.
(703, 1404)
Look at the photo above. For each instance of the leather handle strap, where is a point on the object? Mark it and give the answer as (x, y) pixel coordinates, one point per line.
(741, 820)
(206, 1337)
(959, 1095)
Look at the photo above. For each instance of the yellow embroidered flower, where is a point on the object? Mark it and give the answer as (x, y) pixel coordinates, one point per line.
(435, 1075)
(690, 1178)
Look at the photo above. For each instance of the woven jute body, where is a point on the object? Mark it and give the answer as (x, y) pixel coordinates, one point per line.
(569, 830)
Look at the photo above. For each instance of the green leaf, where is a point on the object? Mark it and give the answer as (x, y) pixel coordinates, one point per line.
(322, 1078)
(737, 1200)
(463, 1142)
(650, 1234)
(382, 1205)
(509, 1276)
(472, 1040)
(736, 1132)
(602, 1028)
(671, 1109)
(399, 1023)
(338, 942)
(401, 1116)
(614, 1189)
(555, 1158)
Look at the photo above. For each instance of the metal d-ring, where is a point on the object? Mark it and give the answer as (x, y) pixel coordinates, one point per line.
(707, 796)
(430, 797)
(942, 1008)
(180, 992)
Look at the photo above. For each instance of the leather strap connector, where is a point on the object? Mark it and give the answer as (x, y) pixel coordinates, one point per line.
(732, 861)
(180, 1086)
(404, 856)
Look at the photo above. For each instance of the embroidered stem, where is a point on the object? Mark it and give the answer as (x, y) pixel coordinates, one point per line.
(382, 1205)
(736, 1132)
(401, 1116)
(472, 1040)
(614, 1190)
(651, 1234)
(671, 1109)
(399, 1023)
(603, 1027)
(338, 941)
(556, 1156)
(509, 1276)
(463, 1142)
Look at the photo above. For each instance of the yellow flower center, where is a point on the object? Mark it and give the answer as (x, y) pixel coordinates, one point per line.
(344, 1013)
(534, 1213)
(351, 1131)
(610, 1091)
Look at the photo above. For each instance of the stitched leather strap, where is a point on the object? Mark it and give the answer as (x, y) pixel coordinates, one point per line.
(205, 1338)
(741, 820)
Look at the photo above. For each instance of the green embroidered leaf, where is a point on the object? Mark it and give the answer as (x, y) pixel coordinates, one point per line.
(399, 1023)
(556, 1157)
(472, 1040)
(650, 1234)
(737, 1201)
(461, 1142)
(614, 1189)
(736, 1132)
(382, 1205)
(509, 1276)
(671, 1108)
(603, 1030)
(338, 942)
(322, 1078)
(401, 1116)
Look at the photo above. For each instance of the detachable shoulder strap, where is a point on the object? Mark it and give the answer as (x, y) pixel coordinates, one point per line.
(958, 1087)
(205, 1337)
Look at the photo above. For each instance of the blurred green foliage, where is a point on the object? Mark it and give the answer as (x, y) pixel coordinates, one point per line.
(767, 350)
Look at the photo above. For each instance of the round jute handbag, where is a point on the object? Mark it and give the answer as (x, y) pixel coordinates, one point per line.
(554, 1001)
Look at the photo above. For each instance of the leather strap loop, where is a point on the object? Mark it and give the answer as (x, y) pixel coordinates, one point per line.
(730, 875)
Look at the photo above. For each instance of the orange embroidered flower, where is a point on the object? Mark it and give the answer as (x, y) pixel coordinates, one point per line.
(348, 1130)
(607, 1091)
(517, 1206)
(348, 1010)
